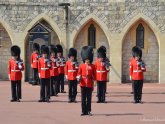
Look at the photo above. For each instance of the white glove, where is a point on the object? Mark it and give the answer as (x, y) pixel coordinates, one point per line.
(39, 75)
(78, 78)
(49, 65)
(9, 76)
(20, 66)
(57, 64)
(66, 77)
(130, 78)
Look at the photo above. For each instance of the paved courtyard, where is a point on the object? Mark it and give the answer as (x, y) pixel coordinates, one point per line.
(118, 110)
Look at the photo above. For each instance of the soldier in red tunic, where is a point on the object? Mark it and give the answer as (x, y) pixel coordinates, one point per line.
(34, 63)
(54, 70)
(15, 67)
(44, 66)
(71, 69)
(137, 67)
(86, 76)
(133, 53)
(102, 69)
(61, 62)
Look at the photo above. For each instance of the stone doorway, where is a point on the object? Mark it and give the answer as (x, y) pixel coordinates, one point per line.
(43, 34)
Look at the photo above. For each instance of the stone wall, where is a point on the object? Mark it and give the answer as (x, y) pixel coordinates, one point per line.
(17, 16)
(115, 14)
(4, 53)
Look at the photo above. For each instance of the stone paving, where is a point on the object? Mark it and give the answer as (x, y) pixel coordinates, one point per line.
(119, 108)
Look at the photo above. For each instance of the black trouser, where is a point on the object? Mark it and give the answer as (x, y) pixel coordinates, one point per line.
(61, 82)
(86, 97)
(138, 86)
(132, 87)
(72, 89)
(16, 90)
(105, 87)
(53, 86)
(35, 76)
(101, 86)
(45, 89)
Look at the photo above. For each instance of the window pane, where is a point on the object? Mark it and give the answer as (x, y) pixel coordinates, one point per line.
(91, 35)
(140, 36)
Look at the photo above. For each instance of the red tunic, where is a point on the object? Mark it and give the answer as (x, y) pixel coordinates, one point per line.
(61, 65)
(71, 70)
(101, 72)
(136, 71)
(34, 60)
(87, 74)
(43, 68)
(54, 67)
(14, 71)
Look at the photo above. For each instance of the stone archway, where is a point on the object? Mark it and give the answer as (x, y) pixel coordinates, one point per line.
(5, 42)
(150, 52)
(82, 39)
(52, 38)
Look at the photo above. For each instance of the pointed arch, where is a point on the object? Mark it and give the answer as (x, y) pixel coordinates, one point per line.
(83, 22)
(42, 18)
(49, 20)
(8, 29)
(144, 18)
(6, 42)
(129, 39)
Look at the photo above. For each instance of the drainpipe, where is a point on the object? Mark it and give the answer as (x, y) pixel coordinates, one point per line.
(66, 8)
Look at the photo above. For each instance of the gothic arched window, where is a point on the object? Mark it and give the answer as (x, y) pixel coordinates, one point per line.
(92, 36)
(140, 36)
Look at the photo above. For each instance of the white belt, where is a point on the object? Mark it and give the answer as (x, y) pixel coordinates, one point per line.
(137, 71)
(71, 70)
(15, 70)
(100, 71)
(54, 67)
(44, 68)
(35, 61)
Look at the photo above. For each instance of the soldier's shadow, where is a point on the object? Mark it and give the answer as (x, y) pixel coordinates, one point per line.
(29, 100)
(153, 102)
(143, 102)
(114, 95)
(119, 114)
(155, 93)
(51, 101)
(61, 101)
(119, 101)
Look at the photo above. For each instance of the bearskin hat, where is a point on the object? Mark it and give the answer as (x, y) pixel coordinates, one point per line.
(15, 51)
(59, 48)
(87, 53)
(44, 49)
(103, 48)
(136, 51)
(101, 52)
(72, 52)
(36, 46)
(52, 49)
